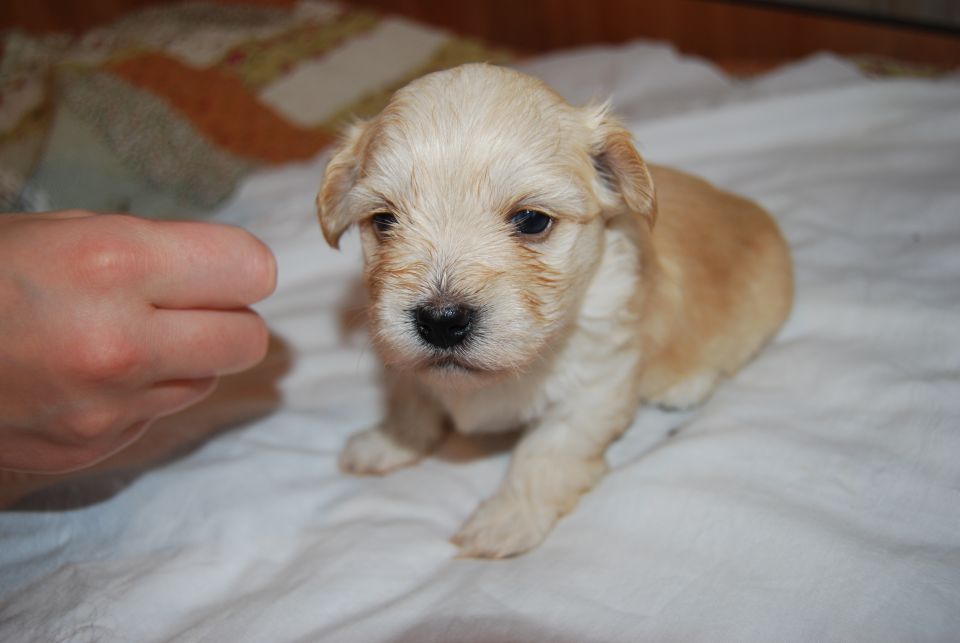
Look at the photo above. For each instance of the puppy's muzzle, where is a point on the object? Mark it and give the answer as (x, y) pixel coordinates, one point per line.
(443, 326)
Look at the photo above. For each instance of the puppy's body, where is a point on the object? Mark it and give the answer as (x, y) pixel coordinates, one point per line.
(627, 296)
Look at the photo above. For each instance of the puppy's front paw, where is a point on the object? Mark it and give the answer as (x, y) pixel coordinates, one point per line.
(376, 452)
(504, 526)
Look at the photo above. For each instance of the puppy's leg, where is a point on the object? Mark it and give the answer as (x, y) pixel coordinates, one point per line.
(558, 459)
(689, 392)
(413, 427)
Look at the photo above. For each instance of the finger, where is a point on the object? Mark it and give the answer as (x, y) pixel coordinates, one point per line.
(101, 429)
(191, 344)
(134, 414)
(172, 396)
(132, 420)
(101, 420)
(205, 265)
(63, 214)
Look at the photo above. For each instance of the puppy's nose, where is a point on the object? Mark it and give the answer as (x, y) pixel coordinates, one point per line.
(443, 326)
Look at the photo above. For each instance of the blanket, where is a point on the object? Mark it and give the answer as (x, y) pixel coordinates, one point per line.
(815, 496)
(163, 111)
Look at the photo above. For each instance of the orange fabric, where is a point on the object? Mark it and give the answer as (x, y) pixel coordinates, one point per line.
(223, 109)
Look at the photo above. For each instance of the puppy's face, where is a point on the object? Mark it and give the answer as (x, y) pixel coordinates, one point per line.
(481, 199)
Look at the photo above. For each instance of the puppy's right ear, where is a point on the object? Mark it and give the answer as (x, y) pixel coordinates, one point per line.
(340, 177)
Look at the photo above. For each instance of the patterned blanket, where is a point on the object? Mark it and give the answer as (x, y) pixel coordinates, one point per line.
(163, 111)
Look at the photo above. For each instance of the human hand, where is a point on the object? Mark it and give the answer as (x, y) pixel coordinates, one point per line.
(108, 322)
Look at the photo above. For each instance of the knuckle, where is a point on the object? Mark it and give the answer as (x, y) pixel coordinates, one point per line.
(92, 424)
(106, 356)
(107, 262)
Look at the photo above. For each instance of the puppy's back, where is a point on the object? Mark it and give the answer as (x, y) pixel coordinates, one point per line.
(724, 284)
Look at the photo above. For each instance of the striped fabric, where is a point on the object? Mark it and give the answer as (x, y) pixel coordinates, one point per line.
(164, 111)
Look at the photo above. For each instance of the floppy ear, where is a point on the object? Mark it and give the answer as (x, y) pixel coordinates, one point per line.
(338, 179)
(624, 177)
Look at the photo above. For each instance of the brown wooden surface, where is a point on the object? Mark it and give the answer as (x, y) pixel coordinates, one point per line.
(76, 16)
(721, 30)
(724, 30)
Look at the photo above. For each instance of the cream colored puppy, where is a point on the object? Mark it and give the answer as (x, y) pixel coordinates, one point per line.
(527, 270)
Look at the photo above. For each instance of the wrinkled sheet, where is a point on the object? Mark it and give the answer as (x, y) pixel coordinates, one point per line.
(816, 496)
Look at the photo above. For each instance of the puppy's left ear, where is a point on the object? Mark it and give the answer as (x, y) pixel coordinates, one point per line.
(625, 181)
(340, 177)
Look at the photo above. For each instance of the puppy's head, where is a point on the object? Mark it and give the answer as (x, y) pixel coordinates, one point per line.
(481, 198)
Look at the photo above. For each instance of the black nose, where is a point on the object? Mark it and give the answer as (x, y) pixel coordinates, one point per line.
(443, 326)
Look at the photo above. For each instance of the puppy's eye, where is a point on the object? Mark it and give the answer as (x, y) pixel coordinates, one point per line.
(530, 222)
(383, 222)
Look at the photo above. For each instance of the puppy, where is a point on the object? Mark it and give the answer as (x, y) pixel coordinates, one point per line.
(527, 270)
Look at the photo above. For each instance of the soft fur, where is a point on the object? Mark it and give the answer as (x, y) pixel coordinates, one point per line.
(634, 295)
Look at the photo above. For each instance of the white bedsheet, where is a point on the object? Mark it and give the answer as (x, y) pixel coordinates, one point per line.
(816, 497)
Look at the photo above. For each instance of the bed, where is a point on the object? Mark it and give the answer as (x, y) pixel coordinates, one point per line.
(815, 497)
